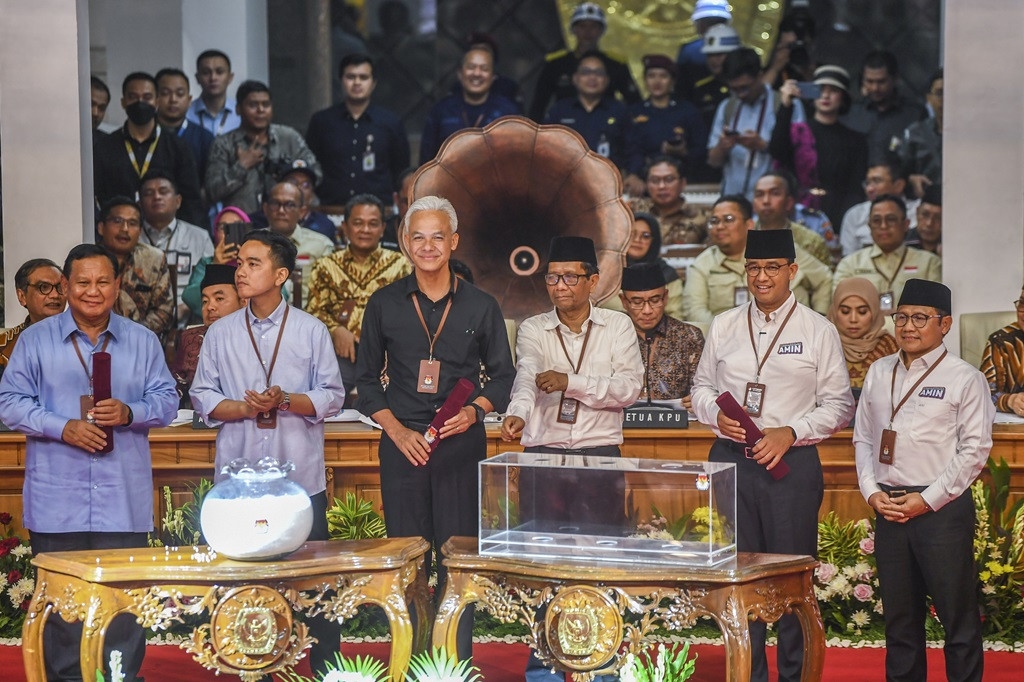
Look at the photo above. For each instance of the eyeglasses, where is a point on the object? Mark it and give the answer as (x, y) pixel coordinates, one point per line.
(592, 72)
(275, 205)
(639, 303)
(645, 236)
(663, 181)
(119, 221)
(919, 319)
(888, 221)
(772, 269)
(1019, 304)
(571, 279)
(726, 221)
(44, 288)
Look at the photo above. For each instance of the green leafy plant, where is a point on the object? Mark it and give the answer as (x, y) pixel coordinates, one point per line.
(354, 519)
(17, 578)
(437, 665)
(999, 554)
(180, 525)
(668, 665)
(358, 669)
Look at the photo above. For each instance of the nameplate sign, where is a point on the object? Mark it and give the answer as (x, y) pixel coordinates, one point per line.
(654, 417)
(198, 423)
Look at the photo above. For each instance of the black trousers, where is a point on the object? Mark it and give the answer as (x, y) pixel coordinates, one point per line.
(781, 517)
(435, 501)
(62, 641)
(327, 632)
(932, 554)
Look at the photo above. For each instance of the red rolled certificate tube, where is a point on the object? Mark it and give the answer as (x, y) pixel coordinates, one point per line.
(101, 391)
(727, 402)
(455, 402)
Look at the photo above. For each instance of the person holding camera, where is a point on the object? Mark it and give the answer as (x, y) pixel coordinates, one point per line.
(246, 162)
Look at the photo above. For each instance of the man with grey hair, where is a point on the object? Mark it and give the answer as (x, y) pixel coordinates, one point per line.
(433, 330)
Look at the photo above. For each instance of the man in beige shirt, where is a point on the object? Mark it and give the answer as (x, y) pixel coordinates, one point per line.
(774, 199)
(889, 263)
(716, 281)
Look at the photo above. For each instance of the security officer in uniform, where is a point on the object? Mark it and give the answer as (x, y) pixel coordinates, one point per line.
(555, 81)
(784, 363)
(708, 92)
(923, 434)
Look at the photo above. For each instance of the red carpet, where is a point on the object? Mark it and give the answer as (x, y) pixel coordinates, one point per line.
(506, 662)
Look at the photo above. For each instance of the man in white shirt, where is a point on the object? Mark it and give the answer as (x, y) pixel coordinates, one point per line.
(882, 178)
(182, 243)
(785, 363)
(577, 367)
(915, 469)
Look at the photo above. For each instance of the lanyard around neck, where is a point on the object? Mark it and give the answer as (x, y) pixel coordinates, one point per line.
(895, 274)
(81, 358)
(750, 328)
(906, 396)
(267, 371)
(444, 316)
(579, 363)
(149, 154)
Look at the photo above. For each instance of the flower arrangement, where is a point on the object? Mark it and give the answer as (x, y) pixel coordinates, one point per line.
(846, 582)
(17, 578)
(700, 525)
(668, 665)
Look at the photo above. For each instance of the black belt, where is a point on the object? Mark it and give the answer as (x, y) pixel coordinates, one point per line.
(737, 447)
(887, 488)
(596, 451)
(415, 426)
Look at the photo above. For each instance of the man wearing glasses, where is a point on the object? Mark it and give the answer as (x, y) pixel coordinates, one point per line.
(923, 434)
(888, 263)
(669, 348)
(785, 364)
(283, 207)
(716, 281)
(41, 293)
(1002, 363)
(577, 367)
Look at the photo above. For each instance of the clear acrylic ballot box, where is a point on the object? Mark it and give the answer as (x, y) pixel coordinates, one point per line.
(608, 509)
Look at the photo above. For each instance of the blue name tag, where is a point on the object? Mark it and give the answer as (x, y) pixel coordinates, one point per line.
(791, 348)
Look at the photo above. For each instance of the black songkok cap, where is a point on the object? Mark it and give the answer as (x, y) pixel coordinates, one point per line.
(932, 195)
(770, 244)
(643, 277)
(217, 273)
(659, 61)
(927, 293)
(573, 249)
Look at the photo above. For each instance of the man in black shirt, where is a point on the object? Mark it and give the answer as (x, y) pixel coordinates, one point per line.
(434, 330)
(123, 157)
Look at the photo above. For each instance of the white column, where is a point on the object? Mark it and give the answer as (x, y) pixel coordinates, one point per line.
(46, 134)
(983, 156)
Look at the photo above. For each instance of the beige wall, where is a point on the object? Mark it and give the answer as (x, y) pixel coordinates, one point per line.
(43, 56)
(983, 155)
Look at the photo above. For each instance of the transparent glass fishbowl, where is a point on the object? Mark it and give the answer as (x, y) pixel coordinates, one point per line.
(616, 509)
(257, 513)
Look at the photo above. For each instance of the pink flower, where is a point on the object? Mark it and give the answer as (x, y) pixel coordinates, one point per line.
(13, 577)
(863, 592)
(825, 573)
(867, 545)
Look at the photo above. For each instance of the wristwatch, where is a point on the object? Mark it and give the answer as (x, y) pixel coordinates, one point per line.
(286, 403)
(480, 413)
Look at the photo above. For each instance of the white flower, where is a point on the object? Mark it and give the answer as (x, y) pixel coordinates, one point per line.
(21, 551)
(988, 589)
(21, 590)
(861, 618)
(3, 581)
(841, 586)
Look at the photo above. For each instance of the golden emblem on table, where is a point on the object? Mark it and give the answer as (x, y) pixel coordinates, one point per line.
(251, 627)
(583, 627)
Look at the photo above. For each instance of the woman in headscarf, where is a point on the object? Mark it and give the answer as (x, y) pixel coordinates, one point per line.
(856, 314)
(645, 247)
(223, 252)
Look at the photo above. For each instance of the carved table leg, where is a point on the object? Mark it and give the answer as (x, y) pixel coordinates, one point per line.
(39, 610)
(727, 607)
(458, 594)
(809, 615)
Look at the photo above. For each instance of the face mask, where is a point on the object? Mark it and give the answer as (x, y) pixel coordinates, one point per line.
(140, 113)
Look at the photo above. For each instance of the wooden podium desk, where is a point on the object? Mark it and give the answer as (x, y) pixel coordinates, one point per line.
(583, 627)
(182, 455)
(250, 629)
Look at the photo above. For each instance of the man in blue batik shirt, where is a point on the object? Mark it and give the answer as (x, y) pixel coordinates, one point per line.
(74, 497)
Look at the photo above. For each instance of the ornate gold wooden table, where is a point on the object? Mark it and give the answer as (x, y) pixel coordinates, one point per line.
(583, 628)
(251, 630)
